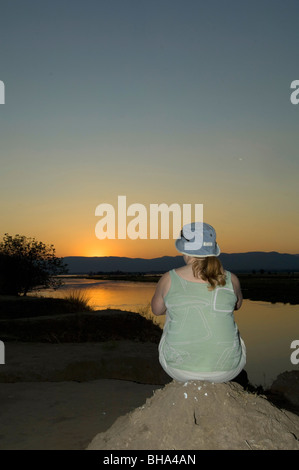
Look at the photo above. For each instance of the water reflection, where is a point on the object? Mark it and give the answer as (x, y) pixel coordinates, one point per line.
(267, 329)
(122, 295)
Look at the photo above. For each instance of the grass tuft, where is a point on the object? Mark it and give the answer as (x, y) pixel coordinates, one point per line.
(78, 299)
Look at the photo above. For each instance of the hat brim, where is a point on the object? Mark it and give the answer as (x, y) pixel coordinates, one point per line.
(204, 252)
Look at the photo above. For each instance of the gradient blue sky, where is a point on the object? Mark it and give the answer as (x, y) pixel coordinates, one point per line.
(162, 101)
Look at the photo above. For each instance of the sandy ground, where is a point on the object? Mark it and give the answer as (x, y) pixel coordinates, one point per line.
(64, 415)
(59, 396)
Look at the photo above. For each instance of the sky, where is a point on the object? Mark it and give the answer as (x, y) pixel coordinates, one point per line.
(169, 101)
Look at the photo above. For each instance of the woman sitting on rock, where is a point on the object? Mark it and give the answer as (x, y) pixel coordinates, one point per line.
(200, 340)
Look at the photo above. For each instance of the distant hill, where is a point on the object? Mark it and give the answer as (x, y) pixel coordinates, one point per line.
(79, 264)
(236, 262)
(256, 260)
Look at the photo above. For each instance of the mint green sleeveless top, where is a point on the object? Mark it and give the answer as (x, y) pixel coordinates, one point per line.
(200, 334)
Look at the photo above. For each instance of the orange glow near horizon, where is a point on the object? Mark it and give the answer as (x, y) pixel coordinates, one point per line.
(148, 249)
(124, 248)
(74, 234)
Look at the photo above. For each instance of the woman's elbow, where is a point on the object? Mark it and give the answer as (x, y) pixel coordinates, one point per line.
(153, 307)
(157, 309)
(157, 314)
(239, 303)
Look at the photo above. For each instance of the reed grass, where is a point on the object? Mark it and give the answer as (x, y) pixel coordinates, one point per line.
(79, 299)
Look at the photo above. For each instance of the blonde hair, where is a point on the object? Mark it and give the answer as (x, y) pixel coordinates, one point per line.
(209, 269)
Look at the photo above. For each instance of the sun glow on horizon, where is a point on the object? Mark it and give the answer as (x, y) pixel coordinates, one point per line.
(148, 249)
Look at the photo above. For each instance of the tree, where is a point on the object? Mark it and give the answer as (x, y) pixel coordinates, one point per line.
(27, 264)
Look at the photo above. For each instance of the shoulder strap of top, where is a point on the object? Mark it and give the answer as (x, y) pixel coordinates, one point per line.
(172, 274)
(228, 279)
(176, 280)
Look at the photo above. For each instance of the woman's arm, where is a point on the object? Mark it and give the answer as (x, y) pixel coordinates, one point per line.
(157, 303)
(237, 289)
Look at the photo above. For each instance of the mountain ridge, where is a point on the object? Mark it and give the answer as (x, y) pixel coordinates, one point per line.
(240, 262)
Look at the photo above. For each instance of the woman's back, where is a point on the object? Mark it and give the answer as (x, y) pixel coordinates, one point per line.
(200, 333)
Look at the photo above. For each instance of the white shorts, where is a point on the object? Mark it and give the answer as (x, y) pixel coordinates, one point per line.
(217, 377)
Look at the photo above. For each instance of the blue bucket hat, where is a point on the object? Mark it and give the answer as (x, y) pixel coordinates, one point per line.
(198, 239)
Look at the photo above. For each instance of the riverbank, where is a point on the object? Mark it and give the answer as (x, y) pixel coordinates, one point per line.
(81, 327)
